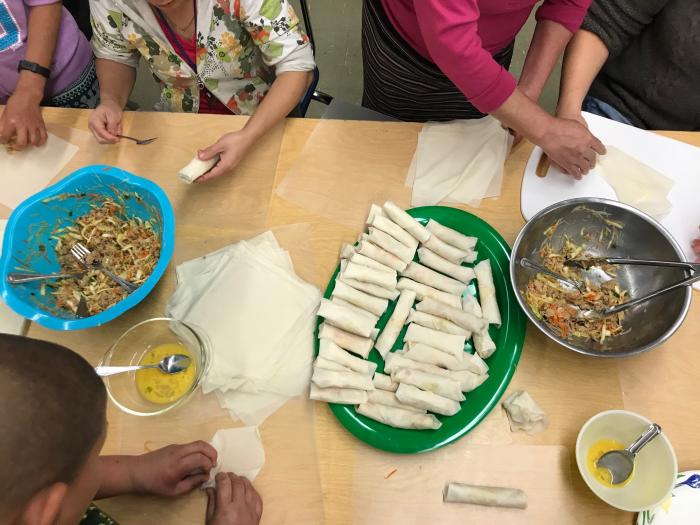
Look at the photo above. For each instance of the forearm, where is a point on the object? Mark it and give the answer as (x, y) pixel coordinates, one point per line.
(116, 81)
(583, 60)
(547, 45)
(117, 477)
(523, 115)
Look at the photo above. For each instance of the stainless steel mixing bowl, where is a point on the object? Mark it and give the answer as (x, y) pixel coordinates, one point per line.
(647, 325)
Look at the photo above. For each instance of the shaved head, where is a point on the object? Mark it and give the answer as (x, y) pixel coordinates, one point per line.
(52, 414)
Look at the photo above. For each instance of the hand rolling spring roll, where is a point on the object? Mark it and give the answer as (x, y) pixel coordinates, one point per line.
(369, 275)
(382, 397)
(452, 254)
(430, 355)
(398, 418)
(393, 327)
(436, 323)
(407, 222)
(345, 318)
(483, 344)
(356, 309)
(471, 305)
(373, 251)
(487, 292)
(487, 496)
(415, 397)
(396, 360)
(369, 288)
(361, 346)
(466, 320)
(331, 351)
(449, 343)
(440, 385)
(425, 275)
(423, 291)
(342, 396)
(388, 243)
(375, 305)
(384, 382)
(450, 236)
(322, 362)
(385, 224)
(442, 265)
(366, 261)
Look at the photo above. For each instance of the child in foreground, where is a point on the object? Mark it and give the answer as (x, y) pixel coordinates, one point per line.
(52, 429)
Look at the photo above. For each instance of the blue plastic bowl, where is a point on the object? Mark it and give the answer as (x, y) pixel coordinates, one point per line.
(28, 244)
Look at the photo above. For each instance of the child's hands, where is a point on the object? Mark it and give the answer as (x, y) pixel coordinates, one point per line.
(235, 502)
(22, 121)
(173, 470)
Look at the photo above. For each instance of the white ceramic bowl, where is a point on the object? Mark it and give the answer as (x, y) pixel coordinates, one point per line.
(655, 466)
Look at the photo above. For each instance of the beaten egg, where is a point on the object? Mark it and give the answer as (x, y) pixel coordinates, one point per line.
(596, 451)
(158, 387)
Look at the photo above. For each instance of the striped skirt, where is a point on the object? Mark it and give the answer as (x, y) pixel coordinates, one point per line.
(401, 83)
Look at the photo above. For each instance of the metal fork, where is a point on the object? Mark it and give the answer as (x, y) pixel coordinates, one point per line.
(140, 142)
(86, 258)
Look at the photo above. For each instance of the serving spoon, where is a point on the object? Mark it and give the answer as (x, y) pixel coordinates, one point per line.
(171, 364)
(620, 463)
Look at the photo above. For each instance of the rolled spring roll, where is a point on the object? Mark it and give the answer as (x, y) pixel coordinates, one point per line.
(468, 381)
(378, 254)
(375, 305)
(427, 354)
(366, 261)
(361, 346)
(461, 318)
(471, 305)
(356, 309)
(425, 275)
(398, 417)
(381, 222)
(449, 343)
(452, 254)
(487, 496)
(483, 344)
(374, 211)
(442, 265)
(374, 334)
(487, 292)
(415, 397)
(436, 323)
(440, 385)
(393, 327)
(407, 222)
(471, 257)
(340, 379)
(524, 413)
(347, 251)
(196, 168)
(369, 288)
(423, 291)
(473, 363)
(342, 396)
(450, 236)
(331, 351)
(344, 318)
(382, 397)
(369, 275)
(384, 382)
(388, 243)
(396, 360)
(322, 362)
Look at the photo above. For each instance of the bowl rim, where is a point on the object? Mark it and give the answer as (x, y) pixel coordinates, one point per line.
(644, 420)
(587, 200)
(48, 320)
(203, 369)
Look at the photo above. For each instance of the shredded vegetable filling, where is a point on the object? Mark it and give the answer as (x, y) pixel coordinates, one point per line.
(126, 246)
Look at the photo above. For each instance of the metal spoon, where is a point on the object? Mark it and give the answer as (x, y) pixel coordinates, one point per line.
(171, 364)
(140, 142)
(620, 463)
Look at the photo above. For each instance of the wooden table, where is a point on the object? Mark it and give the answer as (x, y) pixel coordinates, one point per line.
(316, 472)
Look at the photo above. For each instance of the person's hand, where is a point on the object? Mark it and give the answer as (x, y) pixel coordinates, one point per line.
(173, 470)
(231, 148)
(234, 502)
(696, 249)
(105, 122)
(571, 146)
(22, 121)
(573, 113)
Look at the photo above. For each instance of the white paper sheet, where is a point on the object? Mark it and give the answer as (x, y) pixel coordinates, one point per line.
(240, 450)
(10, 322)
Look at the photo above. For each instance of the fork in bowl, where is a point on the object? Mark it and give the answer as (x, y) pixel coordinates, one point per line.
(87, 259)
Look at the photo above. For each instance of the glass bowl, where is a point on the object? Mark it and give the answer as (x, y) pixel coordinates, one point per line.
(133, 345)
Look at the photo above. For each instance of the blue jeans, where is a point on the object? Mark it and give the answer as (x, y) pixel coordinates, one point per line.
(598, 107)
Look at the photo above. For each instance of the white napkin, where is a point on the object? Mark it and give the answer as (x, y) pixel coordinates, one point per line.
(10, 322)
(240, 450)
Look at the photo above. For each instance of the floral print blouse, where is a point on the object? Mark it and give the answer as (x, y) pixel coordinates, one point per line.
(241, 45)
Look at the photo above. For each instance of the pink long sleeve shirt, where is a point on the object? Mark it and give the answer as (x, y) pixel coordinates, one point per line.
(460, 37)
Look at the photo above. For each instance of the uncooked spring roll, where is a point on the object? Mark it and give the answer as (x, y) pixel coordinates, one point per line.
(356, 309)
(407, 222)
(370, 275)
(483, 344)
(331, 351)
(450, 343)
(471, 257)
(471, 305)
(487, 292)
(452, 254)
(524, 413)
(375, 305)
(344, 318)
(322, 362)
(375, 210)
(436, 323)
(425, 275)
(366, 261)
(398, 417)
(393, 327)
(378, 254)
(487, 496)
(361, 346)
(196, 168)
(382, 397)
(343, 396)
(423, 291)
(381, 222)
(440, 385)
(415, 397)
(430, 355)
(467, 380)
(473, 363)
(403, 359)
(456, 315)
(369, 288)
(347, 251)
(442, 265)
(384, 382)
(340, 379)
(450, 236)
(388, 243)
